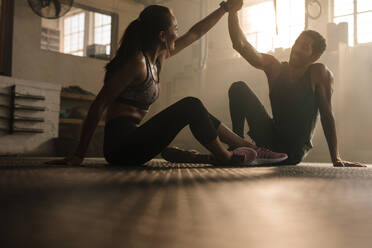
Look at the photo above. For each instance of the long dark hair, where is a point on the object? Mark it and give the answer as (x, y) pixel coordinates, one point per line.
(141, 34)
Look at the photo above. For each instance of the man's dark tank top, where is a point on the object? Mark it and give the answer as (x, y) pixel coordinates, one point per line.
(295, 109)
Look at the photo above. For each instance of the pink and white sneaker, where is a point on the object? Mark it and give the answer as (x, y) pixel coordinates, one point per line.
(265, 156)
(243, 156)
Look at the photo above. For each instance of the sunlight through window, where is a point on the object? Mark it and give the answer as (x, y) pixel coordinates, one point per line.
(74, 34)
(259, 24)
(346, 10)
(102, 30)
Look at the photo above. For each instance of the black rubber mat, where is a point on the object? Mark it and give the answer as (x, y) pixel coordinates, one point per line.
(183, 205)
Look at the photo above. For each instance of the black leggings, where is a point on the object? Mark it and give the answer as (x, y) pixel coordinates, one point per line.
(244, 105)
(127, 143)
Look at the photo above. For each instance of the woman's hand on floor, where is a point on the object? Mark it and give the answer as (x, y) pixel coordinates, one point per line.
(70, 160)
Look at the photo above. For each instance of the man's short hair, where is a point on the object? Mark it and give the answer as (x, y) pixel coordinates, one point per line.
(319, 44)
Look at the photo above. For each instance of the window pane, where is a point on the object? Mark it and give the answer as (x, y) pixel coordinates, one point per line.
(67, 25)
(343, 7)
(102, 30)
(283, 9)
(98, 35)
(283, 39)
(97, 20)
(295, 31)
(291, 21)
(81, 22)
(106, 19)
(66, 45)
(364, 5)
(74, 42)
(100, 19)
(265, 42)
(74, 33)
(106, 38)
(81, 40)
(364, 27)
(298, 12)
(259, 23)
(259, 17)
(350, 21)
(252, 39)
(291, 12)
(74, 25)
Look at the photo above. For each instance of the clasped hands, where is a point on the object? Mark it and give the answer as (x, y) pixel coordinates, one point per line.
(234, 5)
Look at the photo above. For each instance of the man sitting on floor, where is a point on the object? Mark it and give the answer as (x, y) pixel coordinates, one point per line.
(298, 90)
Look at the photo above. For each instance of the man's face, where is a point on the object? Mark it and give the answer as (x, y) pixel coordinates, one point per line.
(302, 51)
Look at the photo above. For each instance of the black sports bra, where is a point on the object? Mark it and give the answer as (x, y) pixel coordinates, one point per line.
(144, 94)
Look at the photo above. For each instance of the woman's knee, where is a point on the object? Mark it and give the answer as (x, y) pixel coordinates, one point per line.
(294, 159)
(190, 102)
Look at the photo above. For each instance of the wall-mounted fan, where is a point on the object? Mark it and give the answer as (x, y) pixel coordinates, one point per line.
(51, 9)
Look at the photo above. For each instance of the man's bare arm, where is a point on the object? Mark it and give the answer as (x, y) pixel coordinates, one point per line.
(323, 91)
(262, 61)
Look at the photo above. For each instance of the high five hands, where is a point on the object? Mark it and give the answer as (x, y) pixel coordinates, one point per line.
(234, 5)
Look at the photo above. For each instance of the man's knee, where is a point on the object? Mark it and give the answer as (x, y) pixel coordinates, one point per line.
(237, 88)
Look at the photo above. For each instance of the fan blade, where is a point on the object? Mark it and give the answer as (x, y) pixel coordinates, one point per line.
(57, 6)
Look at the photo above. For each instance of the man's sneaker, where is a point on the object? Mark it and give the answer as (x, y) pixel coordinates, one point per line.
(177, 155)
(243, 156)
(265, 156)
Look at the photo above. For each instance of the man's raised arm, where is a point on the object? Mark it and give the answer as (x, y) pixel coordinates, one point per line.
(261, 61)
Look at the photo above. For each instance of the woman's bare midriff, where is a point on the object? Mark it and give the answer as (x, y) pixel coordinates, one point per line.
(119, 110)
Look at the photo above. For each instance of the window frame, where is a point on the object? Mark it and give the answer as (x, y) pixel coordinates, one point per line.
(88, 37)
(355, 20)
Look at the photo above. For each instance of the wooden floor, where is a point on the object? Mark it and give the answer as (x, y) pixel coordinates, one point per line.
(183, 205)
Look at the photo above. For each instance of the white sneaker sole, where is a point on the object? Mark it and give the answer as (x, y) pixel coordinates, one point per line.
(268, 160)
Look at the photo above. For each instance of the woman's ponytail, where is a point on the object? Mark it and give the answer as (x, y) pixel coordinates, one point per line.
(141, 34)
(129, 45)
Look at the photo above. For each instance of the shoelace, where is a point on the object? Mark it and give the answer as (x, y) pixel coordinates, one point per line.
(263, 153)
(238, 157)
(240, 154)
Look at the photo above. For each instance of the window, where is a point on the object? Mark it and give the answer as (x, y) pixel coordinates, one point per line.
(258, 22)
(102, 30)
(82, 32)
(358, 15)
(73, 34)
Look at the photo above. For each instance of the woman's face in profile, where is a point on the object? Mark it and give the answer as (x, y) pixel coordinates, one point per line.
(172, 33)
